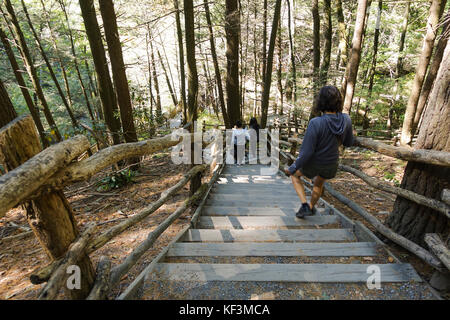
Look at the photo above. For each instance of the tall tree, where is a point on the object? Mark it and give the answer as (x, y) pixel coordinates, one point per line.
(75, 59)
(181, 57)
(105, 87)
(232, 30)
(280, 67)
(399, 65)
(327, 47)
(373, 63)
(50, 68)
(436, 10)
(192, 81)
(7, 111)
(155, 83)
(23, 87)
(29, 65)
(268, 79)
(432, 72)
(212, 44)
(118, 70)
(409, 218)
(355, 55)
(316, 56)
(292, 80)
(342, 33)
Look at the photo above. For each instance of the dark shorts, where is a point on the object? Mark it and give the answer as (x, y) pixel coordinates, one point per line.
(326, 171)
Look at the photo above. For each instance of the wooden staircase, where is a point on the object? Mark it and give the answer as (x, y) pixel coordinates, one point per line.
(248, 244)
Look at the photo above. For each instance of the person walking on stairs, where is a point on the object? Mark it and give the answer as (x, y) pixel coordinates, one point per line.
(319, 153)
(239, 139)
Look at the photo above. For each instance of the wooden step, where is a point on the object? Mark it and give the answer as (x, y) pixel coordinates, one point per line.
(250, 203)
(266, 222)
(328, 249)
(236, 235)
(249, 182)
(256, 196)
(283, 272)
(245, 211)
(255, 189)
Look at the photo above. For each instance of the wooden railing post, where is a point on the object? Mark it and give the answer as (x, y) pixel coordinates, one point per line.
(50, 215)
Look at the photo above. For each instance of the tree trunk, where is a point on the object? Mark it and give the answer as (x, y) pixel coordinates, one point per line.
(280, 67)
(23, 87)
(232, 30)
(7, 112)
(75, 60)
(327, 49)
(409, 219)
(436, 10)
(192, 83)
(264, 47)
(50, 216)
(342, 33)
(156, 83)
(181, 57)
(316, 57)
(432, 72)
(268, 79)
(50, 68)
(107, 94)
(373, 64)
(26, 57)
(118, 71)
(356, 55)
(292, 81)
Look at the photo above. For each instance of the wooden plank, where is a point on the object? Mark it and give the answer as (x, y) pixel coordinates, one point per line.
(245, 211)
(236, 235)
(265, 222)
(328, 249)
(293, 204)
(257, 197)
(245, 181)
(254, 189)
(283, 272)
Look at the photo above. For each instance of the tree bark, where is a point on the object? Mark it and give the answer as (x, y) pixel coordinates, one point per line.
(342, 33)
(410, 219)
(118, 71)
(155, 83)
(436, 10)
(316, 57)
(50, 215)
(7, 111)
(292, 81)
(328, 41)
(432, 72)
(232, 30)
(169, 85)
(23, 88)
(26, 57)
(105, 87)
(50, 68)
(268, 79)
(181, 57)
(280, 67)
(355, 55)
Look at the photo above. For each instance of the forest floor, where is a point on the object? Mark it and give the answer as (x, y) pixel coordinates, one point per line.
(156, 174)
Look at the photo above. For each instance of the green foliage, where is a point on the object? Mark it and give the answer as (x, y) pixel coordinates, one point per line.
(116, 180)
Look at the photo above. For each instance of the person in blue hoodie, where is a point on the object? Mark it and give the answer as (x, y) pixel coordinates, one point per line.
(319, 153)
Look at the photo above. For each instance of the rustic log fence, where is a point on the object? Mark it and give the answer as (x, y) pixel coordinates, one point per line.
(35, 174)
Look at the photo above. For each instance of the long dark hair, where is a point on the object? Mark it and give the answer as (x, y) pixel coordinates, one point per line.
(329, 99)
(254, 124)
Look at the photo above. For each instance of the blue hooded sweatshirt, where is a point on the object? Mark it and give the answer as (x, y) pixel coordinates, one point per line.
(322, 139)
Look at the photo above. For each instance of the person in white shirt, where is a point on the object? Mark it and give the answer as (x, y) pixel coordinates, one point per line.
(239, 138)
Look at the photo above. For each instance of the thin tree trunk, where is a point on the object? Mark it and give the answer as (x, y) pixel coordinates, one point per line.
(7, 111)
(155, 83)
(181, 57)
(316, 57)
(342, 33)
(327, 48)
(50, 68)
(436, 10)
(118, 71)
(232, 30)
(75, 61)
(356, 55)
(169, 85)
(26, 57)
(192, 101)
(23, 87)
(292, 81)
(255, 63)
(432, 72)
(264, 48)
(373, 64)
(268, 79)
(107, 94)
(280, 66)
